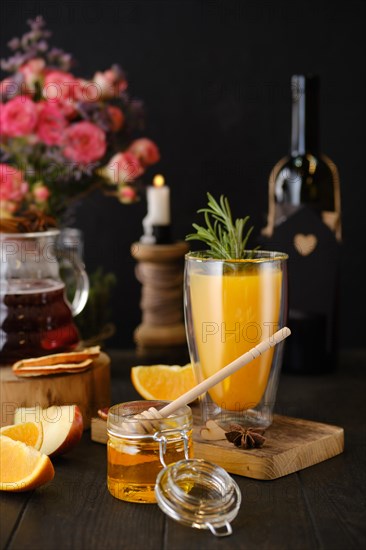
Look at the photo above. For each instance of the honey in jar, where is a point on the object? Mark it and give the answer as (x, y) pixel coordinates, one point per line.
(134, 458)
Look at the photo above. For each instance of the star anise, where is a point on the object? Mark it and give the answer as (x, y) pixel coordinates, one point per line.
(245, 438)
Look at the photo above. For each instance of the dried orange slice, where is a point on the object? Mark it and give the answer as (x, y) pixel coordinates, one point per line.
(162, 381)
(22, 468)
(30, 433)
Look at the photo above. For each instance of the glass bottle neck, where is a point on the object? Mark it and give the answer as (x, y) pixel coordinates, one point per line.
(305, 115)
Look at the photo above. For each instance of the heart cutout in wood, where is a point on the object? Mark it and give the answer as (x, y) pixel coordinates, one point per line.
(212, 431)
(305, 244)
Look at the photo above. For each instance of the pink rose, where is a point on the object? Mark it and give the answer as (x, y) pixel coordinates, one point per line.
(84, 142)
(145, 150)
(122, 168)
(59, 86)
(117, 118)
(32, 71)
(12, 187)
(18, 117)
(110, 83)
(51, 123)
(40, 192)
(61, 89)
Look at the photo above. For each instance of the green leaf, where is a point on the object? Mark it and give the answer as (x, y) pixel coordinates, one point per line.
(224, 238)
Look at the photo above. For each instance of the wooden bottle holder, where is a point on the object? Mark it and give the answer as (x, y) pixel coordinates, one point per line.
(160, 271)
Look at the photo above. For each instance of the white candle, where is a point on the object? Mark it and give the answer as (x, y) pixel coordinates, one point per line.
(158, 202)
(158, 210)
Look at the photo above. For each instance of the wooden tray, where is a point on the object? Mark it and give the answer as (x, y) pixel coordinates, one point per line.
(291, 444)
(90, 390)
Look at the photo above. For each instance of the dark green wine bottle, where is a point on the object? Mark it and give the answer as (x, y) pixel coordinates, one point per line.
(304, 219)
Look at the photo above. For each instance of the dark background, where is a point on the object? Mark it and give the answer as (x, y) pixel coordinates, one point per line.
(214, 76)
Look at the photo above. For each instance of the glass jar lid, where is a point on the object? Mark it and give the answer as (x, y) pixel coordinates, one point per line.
(199, 494)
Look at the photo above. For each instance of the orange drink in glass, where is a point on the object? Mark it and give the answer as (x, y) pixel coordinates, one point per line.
(230, 306)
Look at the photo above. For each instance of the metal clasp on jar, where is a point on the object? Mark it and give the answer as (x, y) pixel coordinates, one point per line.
(161, 438)
(221, 531)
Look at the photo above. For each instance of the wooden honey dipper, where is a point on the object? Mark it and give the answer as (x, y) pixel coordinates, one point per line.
(146, 419)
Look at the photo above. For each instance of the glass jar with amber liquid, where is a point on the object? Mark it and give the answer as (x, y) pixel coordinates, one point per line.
(139, 449)
(36, 317)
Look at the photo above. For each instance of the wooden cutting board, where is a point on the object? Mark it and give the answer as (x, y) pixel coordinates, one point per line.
(291, 445)
(90, 390)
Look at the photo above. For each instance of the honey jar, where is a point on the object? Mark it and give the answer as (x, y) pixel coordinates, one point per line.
(138, 449)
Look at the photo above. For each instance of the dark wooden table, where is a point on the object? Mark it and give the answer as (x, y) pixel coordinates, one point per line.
(320, 507)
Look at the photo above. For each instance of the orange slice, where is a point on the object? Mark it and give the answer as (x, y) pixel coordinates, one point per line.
(30, 433)
(162, 381)
(22, 468)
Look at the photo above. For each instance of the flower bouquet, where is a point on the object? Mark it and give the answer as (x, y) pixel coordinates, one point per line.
(63, 136)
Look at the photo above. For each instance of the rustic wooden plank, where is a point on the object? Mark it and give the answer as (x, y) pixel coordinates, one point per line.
(322, 507)
(11, 509)
(337, 505)
(272, 515)
(335, 492)
(76, 511)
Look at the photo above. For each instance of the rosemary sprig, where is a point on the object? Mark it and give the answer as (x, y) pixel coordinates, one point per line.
(224, 238)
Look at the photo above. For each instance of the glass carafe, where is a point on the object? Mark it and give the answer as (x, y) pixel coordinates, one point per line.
(35, 316)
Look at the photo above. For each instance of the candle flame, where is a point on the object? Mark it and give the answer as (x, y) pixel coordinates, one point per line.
(158, 180)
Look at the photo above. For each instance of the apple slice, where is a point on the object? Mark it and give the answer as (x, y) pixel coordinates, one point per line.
(62, 426)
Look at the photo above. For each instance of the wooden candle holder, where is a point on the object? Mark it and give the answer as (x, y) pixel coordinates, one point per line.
(160, 271)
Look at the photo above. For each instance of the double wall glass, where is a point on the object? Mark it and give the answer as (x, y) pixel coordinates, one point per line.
(230, 306)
